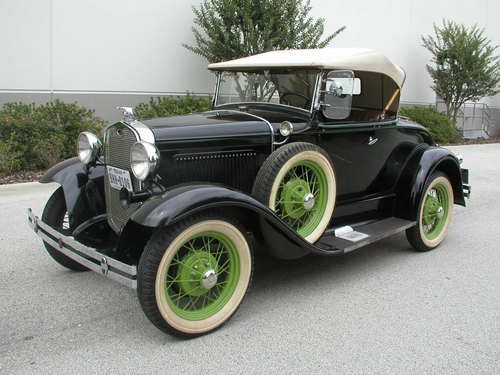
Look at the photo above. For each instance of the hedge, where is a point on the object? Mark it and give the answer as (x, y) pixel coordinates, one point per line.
(441, 126)
(38, 136)
(173, 105)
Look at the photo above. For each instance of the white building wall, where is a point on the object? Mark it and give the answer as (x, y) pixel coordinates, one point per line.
(96, 45)
(395, 27)
(94, 50)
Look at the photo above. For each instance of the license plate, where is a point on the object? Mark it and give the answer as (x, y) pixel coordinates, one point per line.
(119, 178)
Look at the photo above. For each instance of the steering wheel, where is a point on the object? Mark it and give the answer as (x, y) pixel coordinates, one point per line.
(301, 96)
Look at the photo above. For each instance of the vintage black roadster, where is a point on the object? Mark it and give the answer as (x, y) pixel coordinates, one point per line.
(303, 153)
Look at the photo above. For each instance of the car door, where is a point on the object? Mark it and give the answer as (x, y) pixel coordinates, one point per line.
(354, 146)
(357, 153)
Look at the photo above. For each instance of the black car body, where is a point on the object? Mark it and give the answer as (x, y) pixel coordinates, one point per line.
(209, 162)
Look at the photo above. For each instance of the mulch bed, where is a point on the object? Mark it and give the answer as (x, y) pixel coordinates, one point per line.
(475, 141)
(27, 176)
(30, 176)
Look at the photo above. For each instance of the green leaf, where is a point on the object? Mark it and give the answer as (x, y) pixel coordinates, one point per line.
(229, 29)
(464, 65)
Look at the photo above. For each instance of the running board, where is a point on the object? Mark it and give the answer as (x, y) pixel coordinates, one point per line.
(349, 238)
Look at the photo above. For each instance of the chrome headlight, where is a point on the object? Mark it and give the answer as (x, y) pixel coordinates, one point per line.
(144, 159)
(88, 147)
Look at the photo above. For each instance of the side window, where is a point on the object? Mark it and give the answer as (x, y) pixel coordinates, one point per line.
(340, 86)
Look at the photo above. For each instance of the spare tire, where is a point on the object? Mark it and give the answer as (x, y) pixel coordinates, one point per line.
(297, 182)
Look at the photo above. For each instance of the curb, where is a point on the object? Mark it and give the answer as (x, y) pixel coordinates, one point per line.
(19, 187)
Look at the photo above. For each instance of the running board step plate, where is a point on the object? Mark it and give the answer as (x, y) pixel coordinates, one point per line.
(349, 238)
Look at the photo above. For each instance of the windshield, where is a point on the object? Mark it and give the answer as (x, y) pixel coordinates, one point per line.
(292, 88)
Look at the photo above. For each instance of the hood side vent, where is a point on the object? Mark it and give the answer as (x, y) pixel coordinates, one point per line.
(233, 168)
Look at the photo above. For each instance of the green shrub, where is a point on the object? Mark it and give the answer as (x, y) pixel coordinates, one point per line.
(173, 105)
(36, 137)
(53, 148)
(10, 158)
(65, 121)
(440, 125)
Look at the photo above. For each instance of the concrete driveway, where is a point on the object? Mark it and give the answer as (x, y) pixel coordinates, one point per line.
(381, 309)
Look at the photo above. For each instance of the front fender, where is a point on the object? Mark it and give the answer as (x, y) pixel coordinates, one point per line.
(421, 164)
(179, 202)
(184, 201)
(71, 175)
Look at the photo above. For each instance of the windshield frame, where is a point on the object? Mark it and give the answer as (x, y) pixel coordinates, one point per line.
(310, 110)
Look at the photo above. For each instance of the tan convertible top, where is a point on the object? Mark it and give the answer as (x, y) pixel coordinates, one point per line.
(326, 58)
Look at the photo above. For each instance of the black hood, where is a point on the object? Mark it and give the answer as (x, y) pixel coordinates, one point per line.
(208, 124)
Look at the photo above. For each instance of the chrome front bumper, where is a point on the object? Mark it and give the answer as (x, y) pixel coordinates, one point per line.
(87, 256)
(465, 182)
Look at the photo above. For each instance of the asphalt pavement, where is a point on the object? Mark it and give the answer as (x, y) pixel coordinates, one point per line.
(380, 309)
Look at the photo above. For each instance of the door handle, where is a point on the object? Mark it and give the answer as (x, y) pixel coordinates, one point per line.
(372, 140)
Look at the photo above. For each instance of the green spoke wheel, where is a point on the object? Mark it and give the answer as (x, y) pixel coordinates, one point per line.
(435, 211)
(193, 278)
(202, 276)
(301, 197)
(297, 182)
(434, 214)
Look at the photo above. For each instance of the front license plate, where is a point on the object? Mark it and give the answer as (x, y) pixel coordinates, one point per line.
(119, 178)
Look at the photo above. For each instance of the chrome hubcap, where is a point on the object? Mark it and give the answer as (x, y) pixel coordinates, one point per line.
(440, 212)
(209, 279)
(309, 201)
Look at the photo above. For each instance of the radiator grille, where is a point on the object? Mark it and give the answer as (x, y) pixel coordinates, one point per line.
(119, 140)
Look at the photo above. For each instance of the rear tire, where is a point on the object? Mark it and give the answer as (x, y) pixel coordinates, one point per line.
(55, 215)
(193, 276)
(434, 214)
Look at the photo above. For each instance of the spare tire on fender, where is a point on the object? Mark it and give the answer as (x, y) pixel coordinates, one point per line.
(297, 182)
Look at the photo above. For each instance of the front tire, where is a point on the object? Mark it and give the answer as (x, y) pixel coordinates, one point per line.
(193, 276)
(434, 214)
(56, 215)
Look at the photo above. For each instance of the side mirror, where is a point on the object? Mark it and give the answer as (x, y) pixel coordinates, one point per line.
(340, 86)
(334, 87)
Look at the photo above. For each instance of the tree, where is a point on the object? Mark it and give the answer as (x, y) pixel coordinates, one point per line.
(465, 67)
(228, 29)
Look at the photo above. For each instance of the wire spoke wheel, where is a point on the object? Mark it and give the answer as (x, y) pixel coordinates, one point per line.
(434, 215)
(302, 197)
(297, 182)
(435, 212)
(202, 276)
(193, 276)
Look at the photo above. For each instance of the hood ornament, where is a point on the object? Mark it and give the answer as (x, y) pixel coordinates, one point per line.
(128, 114)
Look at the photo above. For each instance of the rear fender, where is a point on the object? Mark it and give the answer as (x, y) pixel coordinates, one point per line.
(181, 202)
(411, 183)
